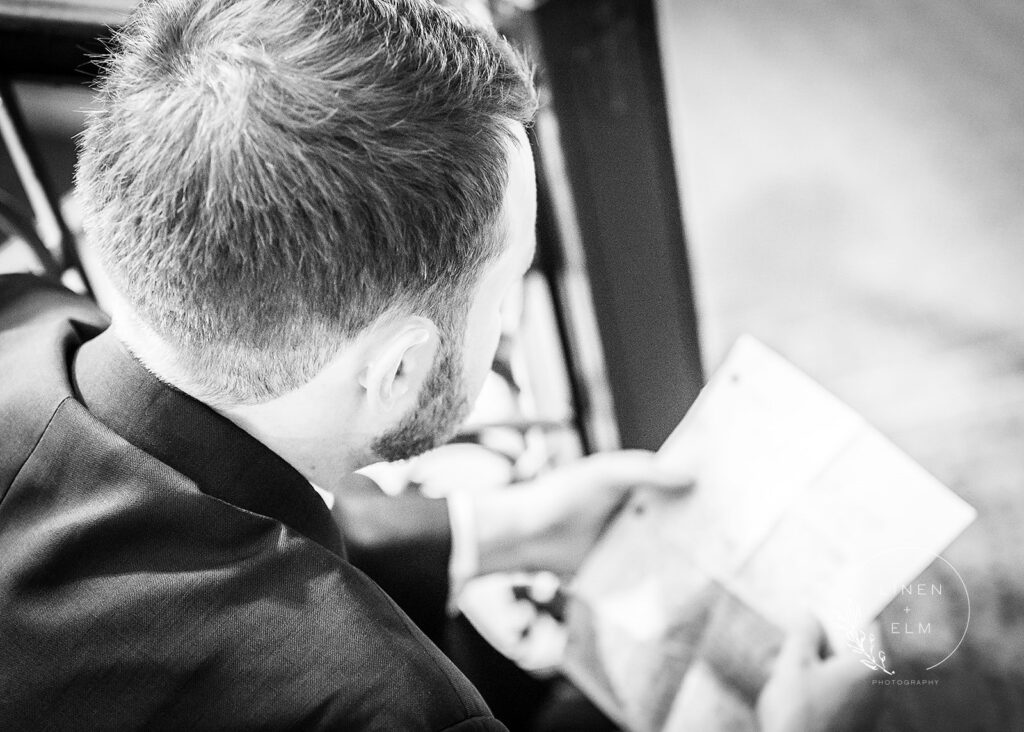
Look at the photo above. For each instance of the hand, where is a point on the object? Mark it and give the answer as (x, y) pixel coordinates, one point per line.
(453, 467)
(551, 522)
(459, 466)
(807, 693)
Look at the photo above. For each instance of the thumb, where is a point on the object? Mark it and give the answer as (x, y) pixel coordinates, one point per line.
(804, 641)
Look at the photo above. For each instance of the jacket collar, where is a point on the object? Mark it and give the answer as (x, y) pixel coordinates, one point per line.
(223, 460)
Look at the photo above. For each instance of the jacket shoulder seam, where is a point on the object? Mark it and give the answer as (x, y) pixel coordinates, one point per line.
(28, 457)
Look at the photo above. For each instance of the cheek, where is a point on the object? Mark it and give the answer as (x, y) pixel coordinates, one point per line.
(481, 345)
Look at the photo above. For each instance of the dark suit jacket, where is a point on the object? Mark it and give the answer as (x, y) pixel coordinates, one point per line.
(403, 543)
(159, 568)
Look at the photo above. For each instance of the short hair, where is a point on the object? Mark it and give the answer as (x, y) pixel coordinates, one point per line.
(264, 179)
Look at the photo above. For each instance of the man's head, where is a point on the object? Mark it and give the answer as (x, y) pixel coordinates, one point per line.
(270, 182)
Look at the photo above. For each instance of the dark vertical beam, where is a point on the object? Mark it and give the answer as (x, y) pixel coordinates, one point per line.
(600, 61)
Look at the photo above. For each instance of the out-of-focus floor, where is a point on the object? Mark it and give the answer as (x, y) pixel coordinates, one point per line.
(853, 181)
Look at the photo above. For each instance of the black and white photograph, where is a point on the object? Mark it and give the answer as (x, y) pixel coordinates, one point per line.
(512, 365)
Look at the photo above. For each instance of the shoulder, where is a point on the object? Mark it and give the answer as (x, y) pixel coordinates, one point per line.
(350, 652)
(174, 602)
(28, 299)
(144, 602)
(40, 322)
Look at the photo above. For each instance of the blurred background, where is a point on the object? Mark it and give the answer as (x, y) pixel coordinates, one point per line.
(853, 184)
(843, 180)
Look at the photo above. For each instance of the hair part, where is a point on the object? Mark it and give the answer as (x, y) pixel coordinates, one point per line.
(266, 178)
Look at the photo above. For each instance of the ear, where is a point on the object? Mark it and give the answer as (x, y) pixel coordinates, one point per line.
(398, 364)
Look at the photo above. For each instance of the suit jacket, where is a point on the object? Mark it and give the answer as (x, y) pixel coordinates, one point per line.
(160, 568)
(403, 542)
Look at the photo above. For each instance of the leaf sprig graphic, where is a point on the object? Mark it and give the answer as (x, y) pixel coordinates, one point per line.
(864, 645)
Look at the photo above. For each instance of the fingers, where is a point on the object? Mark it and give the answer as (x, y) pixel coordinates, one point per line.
(808, 694)
(459, 465)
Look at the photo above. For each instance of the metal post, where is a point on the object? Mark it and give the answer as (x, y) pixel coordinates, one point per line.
(599, 59)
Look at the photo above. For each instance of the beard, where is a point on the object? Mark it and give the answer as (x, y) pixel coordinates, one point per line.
(442, 405)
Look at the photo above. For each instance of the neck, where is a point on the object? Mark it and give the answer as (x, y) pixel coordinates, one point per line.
(298, 429)
(308, 427)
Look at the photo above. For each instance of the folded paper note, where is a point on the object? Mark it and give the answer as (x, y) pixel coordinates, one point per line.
(799, 505)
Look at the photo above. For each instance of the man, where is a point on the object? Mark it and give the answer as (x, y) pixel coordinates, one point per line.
(310, 211)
